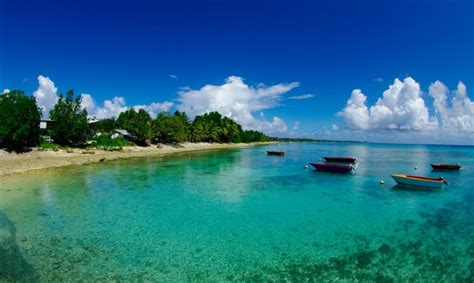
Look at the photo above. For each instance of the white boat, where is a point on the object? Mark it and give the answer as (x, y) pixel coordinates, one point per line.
(419, 181)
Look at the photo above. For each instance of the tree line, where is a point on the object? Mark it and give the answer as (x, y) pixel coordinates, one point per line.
(20, 119)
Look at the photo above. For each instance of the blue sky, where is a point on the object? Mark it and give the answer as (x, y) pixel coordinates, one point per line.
(129, 49)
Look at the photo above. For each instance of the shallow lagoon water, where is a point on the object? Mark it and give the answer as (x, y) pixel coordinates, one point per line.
(240, 215)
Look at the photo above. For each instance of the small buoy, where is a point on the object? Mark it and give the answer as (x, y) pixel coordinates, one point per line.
(382, 182)
(306, 167)
(416, 167)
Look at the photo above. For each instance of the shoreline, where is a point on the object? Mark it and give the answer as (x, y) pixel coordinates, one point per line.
(15, 164)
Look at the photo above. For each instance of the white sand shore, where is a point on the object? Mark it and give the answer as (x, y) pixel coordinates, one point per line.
(12, 163)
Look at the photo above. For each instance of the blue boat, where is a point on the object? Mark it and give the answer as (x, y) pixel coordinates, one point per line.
(333, 167)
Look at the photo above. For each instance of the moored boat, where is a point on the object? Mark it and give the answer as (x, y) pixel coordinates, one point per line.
(419, 181)
(273, 152)
(333, 167)
(439, 166)
(340, 159)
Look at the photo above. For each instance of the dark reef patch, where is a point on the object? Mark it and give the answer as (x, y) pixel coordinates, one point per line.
(13, 266)
(384, 249)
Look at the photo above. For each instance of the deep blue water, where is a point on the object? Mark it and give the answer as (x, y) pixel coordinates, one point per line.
(242, 215)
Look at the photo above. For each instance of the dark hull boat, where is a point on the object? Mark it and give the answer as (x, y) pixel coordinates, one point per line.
(340, 159)
(446, 166)
(278, 153)
(333, 167)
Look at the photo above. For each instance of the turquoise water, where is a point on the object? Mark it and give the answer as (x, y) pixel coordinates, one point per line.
(240, 215)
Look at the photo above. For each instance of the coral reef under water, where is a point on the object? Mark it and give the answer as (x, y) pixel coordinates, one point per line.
(13, 266)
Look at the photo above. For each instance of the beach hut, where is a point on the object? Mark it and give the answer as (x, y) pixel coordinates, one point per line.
(45, 124)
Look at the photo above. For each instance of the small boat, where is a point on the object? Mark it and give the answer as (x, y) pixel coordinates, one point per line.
(419, 181)
(272, 152)
(340, 159)
(333, 167)
(446, 166)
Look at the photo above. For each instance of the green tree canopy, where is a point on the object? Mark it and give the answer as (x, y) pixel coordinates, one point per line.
(168, 128)
(176, 128)
(136, 123)
(19, 121)
(254, 136)
(69, 120)
(213, 127)
(199, 130)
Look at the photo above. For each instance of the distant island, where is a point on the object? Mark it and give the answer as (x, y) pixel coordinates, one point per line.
(313, 140)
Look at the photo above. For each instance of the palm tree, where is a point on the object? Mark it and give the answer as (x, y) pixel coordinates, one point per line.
(197, 133)
(230, 130)
(215, 132)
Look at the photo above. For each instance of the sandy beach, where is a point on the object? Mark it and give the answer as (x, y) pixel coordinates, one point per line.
(13, 163)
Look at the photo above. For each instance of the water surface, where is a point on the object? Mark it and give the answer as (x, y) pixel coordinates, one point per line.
(242, 215)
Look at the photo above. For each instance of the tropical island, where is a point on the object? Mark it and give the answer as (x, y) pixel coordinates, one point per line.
(133, 134)
(70, 136)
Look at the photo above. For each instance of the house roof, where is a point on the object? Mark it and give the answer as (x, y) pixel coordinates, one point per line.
(122, 132)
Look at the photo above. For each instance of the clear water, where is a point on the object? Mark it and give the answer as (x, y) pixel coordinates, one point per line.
(241, 215)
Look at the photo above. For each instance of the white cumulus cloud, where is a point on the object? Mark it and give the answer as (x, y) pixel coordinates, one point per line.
(237, 100)
(457, 115)
(115, 106)
(109, 109)
(88, 103)
(155, 108)
(404, 111)
(46, 94)
(356, 113)
(401, 107)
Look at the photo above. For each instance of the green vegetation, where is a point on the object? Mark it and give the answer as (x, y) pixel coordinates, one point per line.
(210, 127)
(136, 123)
(70, 121)
(69, 127)
(47, 145)
(176, 128)
(255, 136)
(19, 121)
(106, 142)
(168, 128)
